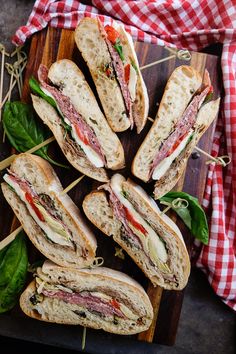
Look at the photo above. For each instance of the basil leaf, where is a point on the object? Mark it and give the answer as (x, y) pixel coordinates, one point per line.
(119, 49)
(13, 271)
(208, 98)
(24, 131)
(35, 87)
(194, 216)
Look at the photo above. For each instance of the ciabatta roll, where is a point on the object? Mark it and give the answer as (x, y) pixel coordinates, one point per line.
(99, 298)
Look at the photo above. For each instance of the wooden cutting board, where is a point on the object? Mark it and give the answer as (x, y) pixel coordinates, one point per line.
(53, 44)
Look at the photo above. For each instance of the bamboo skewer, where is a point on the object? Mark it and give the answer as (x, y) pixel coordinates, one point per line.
(5, 163)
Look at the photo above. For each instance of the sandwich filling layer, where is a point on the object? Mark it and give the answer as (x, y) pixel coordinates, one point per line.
(181, 134)
(136, 230)
(107, 305)
(42, 209)
(120, 68)
(73, 122)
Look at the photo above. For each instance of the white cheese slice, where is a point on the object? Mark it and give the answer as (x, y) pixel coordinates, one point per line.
(132, 83)
(52, 235)
(151, 240)
(164, 165)
(92, 156)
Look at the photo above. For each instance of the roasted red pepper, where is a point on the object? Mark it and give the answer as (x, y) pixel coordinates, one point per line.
(82, 137)
(127, 73)
(115, 304)
(112, 34)
(135, 223)
(30, 200)
(176, 144)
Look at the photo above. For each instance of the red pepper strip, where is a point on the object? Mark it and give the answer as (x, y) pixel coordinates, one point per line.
(176, 144)
(127, 73)
(82, 137)
(136, 224)
(30, 200)
(115, 304)
(112, 34)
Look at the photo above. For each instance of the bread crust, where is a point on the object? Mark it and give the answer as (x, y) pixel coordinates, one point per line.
(98, 277)
(84, 237)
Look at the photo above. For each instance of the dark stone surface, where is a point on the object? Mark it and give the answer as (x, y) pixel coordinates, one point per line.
(206, 324)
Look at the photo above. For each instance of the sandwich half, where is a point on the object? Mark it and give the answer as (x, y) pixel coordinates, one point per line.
(185, 112)
(68, 107)
(52, 221)
(99, 298)
(110, 55)
(124, 210)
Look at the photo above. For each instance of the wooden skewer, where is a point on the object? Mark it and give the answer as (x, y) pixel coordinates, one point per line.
(5, 163)
(13, 235)
(10, 238)
(157, 62)
(178, 203)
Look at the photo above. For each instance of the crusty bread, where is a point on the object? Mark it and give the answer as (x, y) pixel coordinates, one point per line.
(72, 152)
(66, 74)
(99, 212)
(181, 86)
(94, 50)
(40, 174)
(112, 283)
(205, 117)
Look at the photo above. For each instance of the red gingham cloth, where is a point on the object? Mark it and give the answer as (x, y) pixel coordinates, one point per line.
(184, 24)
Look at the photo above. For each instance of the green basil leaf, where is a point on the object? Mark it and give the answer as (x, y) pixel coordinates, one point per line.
(119, 49)
(35, 87)
(13, 271)
(208, 98)
(194, 216)
(24, 131)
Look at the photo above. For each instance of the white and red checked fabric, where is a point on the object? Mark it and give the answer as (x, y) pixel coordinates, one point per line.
(184, 24)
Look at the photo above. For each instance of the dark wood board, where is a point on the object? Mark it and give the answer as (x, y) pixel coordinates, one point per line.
(53, 44)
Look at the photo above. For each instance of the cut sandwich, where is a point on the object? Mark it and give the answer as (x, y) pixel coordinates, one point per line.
(124, 210)
(110, 55)
(99, 298)
(51, 220)
(185, 113)
(69, 108)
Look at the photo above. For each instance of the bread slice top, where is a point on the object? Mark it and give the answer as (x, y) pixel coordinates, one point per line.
(40, 174)
(65, 74)
(181, 86)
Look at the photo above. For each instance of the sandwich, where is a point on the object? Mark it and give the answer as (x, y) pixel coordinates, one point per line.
(110, 55)
(122, 209)
(99, 298)
(68, 107)
(185, 112)
(50, 219)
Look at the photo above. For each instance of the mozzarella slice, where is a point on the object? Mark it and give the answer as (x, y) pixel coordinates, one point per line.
(132, 83)
(51, 234)
(92, 156)
(164, 165)
(151, 239)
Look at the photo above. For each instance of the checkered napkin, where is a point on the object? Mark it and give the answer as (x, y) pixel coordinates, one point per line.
(184, 24)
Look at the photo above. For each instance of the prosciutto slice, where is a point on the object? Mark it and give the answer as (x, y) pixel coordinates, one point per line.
(181, 129)
(69, 112)
(86, 299)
